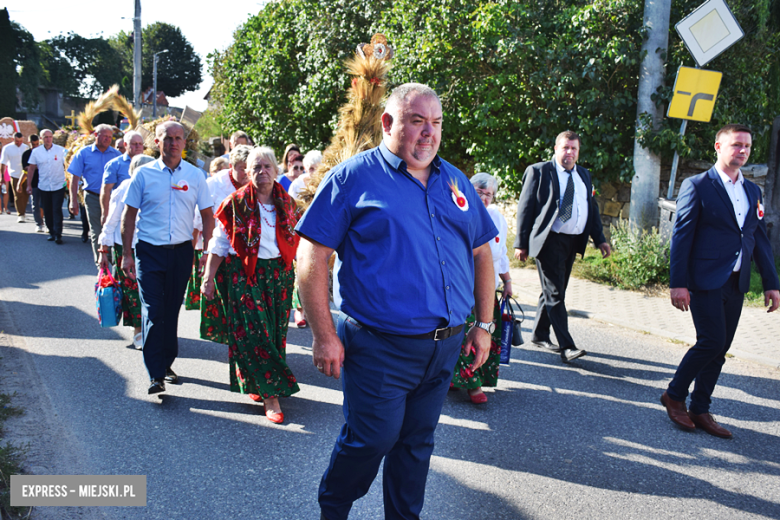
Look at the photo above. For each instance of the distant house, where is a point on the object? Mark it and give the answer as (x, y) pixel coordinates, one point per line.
(147, 99)
(52, 110)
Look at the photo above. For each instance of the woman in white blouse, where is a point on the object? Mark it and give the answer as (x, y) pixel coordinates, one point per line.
(111, 236)
(255, 238)
(487, 375)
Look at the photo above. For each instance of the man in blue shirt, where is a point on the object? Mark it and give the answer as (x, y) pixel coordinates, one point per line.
(166, 193)
(413, 237)
(88, 165)
(118, 169)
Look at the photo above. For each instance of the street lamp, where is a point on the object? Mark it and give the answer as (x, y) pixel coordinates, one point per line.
(154, 82)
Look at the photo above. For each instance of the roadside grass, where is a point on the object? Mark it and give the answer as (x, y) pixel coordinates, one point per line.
(11, 458)
(636, 264)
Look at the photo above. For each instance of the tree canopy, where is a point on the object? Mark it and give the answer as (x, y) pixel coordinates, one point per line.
(511, 76)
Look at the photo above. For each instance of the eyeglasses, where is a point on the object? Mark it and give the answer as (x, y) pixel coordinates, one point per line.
(483, 193)
(298, 168)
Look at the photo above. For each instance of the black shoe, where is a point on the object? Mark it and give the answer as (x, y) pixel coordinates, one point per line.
(171, 377)
(552, 347)
(58, 241)
(157, 386)
(51, 238)
(570, 354)
(84, 238)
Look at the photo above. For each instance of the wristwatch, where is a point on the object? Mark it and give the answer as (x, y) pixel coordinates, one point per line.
(489, 327)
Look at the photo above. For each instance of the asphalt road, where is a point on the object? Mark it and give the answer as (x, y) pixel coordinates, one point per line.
(554, 442)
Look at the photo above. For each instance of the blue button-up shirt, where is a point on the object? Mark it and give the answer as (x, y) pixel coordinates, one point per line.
(117, 169)
(166, 208)
(406, 249)
(89, 164)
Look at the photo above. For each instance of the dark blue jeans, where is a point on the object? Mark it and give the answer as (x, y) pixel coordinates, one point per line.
(394, 389)
(716, 316)
(52, 210)
(162, 280)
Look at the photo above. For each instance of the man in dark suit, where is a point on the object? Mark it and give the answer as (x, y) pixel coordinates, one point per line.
(718, 231)
(556, 214)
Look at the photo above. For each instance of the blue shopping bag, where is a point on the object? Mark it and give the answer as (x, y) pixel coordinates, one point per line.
(108, 299)
(507, 326)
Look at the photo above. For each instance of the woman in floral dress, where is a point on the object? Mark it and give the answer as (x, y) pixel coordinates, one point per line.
(256, 240)
(487, 375)
(111, 236)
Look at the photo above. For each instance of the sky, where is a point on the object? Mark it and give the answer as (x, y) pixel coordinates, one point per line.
(207, 25)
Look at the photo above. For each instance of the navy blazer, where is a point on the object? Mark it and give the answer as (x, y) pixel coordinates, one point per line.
(538, 208)
(706, 240)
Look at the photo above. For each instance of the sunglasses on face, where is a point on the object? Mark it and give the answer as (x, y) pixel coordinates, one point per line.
(298, 168)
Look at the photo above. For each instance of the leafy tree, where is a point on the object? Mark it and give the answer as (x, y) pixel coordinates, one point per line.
(84, 67)
(19, 66)
(7, 67)
(178, 70)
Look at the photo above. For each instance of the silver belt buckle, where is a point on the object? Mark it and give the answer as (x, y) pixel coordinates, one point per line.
(436, 334)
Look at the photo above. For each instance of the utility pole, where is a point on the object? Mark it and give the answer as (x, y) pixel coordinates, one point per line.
(137, 56)
(643, 212)
(154, 82)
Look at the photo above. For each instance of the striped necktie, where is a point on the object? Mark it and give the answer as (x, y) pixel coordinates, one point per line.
(568, 199)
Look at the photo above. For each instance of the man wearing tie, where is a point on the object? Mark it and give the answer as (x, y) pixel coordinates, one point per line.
(556, 214)
(719, 229)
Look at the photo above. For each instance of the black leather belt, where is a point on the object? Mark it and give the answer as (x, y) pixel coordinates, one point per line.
(93, 193)
(175, 246)
(436, 335)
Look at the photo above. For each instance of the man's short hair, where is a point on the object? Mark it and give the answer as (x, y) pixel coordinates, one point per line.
(235, 136)
(732, 129)
(34, 138)
(103, 127)
(568, 135)
(401, 92)
(162, 129)
(263, 152)
(46, 130)
(18, 135)
(239, 154)
(485, 181)
(129, 136)
(312, 158)
(138, 161)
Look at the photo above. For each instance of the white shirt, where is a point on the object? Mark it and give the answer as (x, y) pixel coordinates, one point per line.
(296, 186)
(268, 248)
(51, 167)
(220, 187)
(112, 230)
(11, 156)
(498, 244)
(739, 200)
(579, 208)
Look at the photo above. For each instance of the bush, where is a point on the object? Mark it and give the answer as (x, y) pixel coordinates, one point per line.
(639, 259)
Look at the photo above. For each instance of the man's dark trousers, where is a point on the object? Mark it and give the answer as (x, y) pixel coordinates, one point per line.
(716, 316)
(162, 274)
(554, 263)
(52, 210)
(394, 389)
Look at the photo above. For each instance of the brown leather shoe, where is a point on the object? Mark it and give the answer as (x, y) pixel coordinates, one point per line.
(707, 423)
(677, 412)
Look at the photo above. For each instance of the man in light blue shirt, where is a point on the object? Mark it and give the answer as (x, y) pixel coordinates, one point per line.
(118, 169)
(166, 193)
(88, 165)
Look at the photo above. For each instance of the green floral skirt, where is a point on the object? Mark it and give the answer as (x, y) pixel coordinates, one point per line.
(192, 296)
(131, 302)
(257, 319)
(213, 318)
(487, 374)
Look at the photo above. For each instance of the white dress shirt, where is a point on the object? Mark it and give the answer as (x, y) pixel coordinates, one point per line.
(267, 249)
(11, 156)
(579, 208)
(112, 230)
(51, 167)
(498, 244)
(739, 200)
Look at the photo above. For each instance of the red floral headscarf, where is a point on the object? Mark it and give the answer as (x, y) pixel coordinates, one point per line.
(240, 214)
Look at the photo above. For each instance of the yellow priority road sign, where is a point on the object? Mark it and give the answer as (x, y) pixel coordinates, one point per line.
(695, 91)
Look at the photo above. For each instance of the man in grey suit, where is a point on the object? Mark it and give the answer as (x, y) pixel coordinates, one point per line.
(556, 214)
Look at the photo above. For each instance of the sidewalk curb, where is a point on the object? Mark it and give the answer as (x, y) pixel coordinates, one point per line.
(527, 297)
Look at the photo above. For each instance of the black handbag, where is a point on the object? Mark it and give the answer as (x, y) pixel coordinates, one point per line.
(517, 333)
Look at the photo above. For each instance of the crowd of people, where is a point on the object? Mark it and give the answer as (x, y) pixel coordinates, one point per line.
(421, 264)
